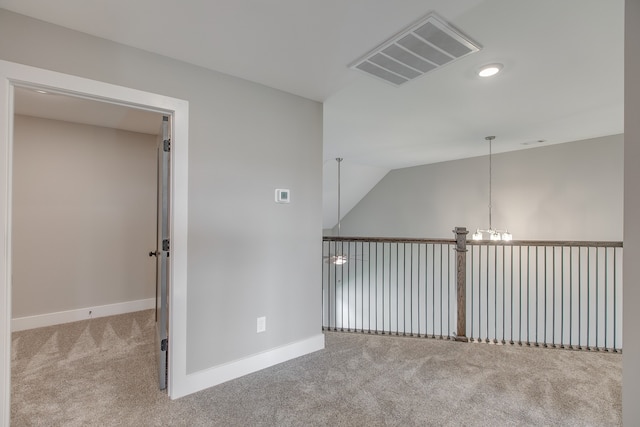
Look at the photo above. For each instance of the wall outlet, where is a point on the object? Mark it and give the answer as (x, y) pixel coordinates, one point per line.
(261, 324)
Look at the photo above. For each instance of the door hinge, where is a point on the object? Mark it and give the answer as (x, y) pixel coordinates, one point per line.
(164, 344)
(165, 245)
(166, 145)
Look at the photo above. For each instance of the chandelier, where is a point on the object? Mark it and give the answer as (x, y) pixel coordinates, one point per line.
(491, 233)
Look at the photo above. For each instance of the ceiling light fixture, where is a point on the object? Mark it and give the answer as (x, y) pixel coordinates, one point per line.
(490, 233)
(490, 70)
(537, 141)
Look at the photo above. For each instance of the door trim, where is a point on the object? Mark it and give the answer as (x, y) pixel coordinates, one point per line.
(12, 74)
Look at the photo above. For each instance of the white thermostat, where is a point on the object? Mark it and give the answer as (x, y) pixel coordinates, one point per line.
(283, 195)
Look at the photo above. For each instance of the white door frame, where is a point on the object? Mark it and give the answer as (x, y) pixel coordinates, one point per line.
(12, 74)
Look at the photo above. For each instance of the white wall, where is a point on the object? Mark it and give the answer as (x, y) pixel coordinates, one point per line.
(631, 356)
(247, 255)
(84, 216)
(570, 191)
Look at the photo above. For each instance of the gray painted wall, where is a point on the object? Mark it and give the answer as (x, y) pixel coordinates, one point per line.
(84, 207)
(569, 191)
(248, 256)
(631, 357)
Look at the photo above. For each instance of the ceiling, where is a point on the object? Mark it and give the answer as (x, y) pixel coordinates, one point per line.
(57, 106)
(562, 78)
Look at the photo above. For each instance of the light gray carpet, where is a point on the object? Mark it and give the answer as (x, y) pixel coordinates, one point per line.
(102, 372)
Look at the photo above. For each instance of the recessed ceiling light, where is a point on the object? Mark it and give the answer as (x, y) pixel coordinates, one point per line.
(41, 91)
(490, 70)
(537, 141)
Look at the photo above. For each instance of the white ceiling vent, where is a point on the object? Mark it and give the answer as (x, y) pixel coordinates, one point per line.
(423, 47)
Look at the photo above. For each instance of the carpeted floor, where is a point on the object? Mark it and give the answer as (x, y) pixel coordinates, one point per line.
(102, 372)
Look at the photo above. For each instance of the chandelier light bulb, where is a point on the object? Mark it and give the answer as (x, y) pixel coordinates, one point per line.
(340, 259)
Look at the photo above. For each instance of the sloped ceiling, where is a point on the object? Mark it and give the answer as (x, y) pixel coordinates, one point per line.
(562, 78)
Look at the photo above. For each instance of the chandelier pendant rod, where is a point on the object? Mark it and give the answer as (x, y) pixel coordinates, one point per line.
(490, 138)
(339, 160)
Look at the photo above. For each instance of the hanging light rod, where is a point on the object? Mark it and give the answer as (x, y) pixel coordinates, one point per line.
(339, 259)
(491, 233)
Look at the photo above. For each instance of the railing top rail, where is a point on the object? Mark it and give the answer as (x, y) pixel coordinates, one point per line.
(387, 240)
(574, 243)
(557, 243)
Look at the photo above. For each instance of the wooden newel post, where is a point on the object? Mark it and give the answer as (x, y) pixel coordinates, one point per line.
(461, 279)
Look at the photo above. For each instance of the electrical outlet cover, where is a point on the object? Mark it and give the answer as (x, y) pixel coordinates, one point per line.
(261, 324)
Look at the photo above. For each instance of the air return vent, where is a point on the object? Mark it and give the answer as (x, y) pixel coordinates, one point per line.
(421, 48)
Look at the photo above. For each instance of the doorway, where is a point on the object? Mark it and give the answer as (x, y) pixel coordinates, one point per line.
(16, 75)
(84, 191)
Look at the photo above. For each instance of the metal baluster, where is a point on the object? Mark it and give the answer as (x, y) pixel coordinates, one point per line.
(382, 290)
(404, 296)
(495, 295)
(562, 298)
(537, 297)
(369, 293)
(486, 287)
(389, 291)
(376, 291)
(449, 248)
(440, 290)
(472, 265)
(410, 292)
(348, 287)
(504, 249)
(545, 296)
(511, 284)
(571, 285)
(520, 296)
(615, 286)
(362, 287)
(433, 290)
(588, 296)
(597, 281)
(480, 294)
(553, 268)
(418, 276)
(335, 290)
(426, 290)
(389, 316)
(579, 298)
(606, 292)
(342, 290)
(528, 342)
(411, 285)
(398, 294)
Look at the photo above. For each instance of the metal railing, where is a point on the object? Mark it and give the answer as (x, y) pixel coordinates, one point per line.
(542, 293)
(389, 286)
(564, 294)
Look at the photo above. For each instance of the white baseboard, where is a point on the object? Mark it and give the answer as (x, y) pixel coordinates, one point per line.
(50, 319)
(229, 371)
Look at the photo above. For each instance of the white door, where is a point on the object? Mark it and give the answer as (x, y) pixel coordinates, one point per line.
(162, 252)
